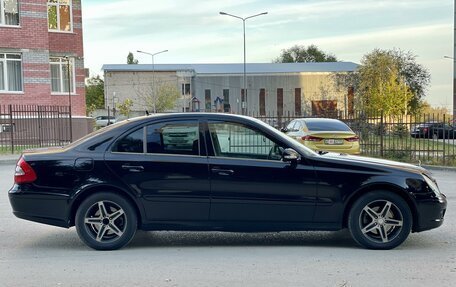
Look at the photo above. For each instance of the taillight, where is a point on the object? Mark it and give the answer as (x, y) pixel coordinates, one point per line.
(311, 138)
(352, 139)
(24, 172)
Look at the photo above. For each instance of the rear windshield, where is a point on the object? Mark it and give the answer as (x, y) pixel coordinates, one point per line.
(327, 125)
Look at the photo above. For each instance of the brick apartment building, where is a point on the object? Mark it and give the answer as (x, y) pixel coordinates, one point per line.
(38, 38)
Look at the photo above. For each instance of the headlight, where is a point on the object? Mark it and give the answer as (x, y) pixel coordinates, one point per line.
(432, 185)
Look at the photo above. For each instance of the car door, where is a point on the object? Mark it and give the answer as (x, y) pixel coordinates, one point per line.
(165, 164)
(250, 182)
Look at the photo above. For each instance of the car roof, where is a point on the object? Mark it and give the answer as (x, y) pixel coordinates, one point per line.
(316, 120)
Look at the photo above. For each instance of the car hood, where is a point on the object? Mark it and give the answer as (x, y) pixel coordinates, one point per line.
(375, 162)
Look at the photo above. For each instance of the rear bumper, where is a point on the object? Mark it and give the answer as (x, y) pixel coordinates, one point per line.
(431, 213)
(49, 209)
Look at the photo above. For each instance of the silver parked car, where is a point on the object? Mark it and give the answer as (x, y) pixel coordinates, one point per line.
(102, 121)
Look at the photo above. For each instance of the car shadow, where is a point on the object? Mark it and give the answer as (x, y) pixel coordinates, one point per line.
(184, 239)
(227, 239)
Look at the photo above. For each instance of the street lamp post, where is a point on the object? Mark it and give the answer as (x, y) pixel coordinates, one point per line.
(244, 108)
(454, 78)
(153, 73)
(67, 58)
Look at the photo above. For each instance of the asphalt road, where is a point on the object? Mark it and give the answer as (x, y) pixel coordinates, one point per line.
(33, 254)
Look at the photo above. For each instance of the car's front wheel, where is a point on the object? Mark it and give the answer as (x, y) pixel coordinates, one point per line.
(380, 220)
(106, 221)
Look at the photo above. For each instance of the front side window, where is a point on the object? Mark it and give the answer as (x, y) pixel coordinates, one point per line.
(173, 138)
(9, 12)
(10, 72)
(60, 73)
(239, 141)
(59, 15)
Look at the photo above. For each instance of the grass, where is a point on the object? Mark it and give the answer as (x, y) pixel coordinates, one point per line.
(408, 149)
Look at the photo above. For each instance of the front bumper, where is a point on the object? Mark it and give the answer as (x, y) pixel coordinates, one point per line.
(430, 213)
(44, 208)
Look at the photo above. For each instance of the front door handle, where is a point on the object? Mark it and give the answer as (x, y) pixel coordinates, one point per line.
(133, 168)
(224, 172)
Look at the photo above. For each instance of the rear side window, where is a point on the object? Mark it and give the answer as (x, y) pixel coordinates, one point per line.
(131, 143)
(180, 137)
(323, 126)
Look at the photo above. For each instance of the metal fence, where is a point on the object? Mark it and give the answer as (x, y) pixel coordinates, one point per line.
(426, 138)
(32, 126)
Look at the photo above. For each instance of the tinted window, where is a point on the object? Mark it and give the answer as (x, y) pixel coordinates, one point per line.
(132, 142)
(173, 138)
(236, 140)
(332, 125)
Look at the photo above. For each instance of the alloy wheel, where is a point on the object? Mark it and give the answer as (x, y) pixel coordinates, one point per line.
(105, 221)
(381, 221)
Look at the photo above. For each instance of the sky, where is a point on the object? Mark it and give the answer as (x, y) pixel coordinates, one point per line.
(194, 32)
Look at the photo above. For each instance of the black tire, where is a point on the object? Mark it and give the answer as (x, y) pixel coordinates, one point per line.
(380, 220)
(109, 217)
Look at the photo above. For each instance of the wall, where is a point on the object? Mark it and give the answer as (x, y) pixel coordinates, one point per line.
(33, 40)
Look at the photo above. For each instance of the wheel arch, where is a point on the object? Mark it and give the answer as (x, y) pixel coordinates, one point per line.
(84, 194)
(384, 187)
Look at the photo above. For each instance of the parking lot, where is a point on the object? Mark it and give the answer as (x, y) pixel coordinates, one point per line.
(33, 254)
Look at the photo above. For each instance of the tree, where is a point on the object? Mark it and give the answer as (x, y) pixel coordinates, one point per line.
(303, 54)
(164, 98)
(388, 80)
(94, 94)
(131, 59)
(416, 76)
(167, 96)
(430, 113)
(125, 107)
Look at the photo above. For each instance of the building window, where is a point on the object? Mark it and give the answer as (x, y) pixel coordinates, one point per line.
(59, 15)
(185, 89)
(262, 101)
(10, 72)
(207, 100)
(226, 101)
(59, 75)
(280, 101)
(9, 12)
(297, 101)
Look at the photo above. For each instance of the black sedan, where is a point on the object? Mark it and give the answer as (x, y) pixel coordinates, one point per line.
(218, 172)
(433, 130)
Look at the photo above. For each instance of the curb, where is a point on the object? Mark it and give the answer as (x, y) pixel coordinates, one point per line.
(8, 160)
(441, 168)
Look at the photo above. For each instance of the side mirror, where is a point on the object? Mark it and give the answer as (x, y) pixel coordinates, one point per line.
(284, 130)
(290, 155)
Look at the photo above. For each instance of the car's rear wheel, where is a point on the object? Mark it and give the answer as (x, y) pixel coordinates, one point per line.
(106, 221)
(380, 220)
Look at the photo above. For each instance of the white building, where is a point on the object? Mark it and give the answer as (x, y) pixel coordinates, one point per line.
(294, 88)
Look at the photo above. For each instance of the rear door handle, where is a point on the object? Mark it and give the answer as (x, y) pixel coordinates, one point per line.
(133, 168)
(224, 172)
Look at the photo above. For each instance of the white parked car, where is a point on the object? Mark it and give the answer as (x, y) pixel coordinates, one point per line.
(102, 121)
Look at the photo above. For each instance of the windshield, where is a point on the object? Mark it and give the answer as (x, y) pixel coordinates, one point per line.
(296, 145)
(327, 125)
